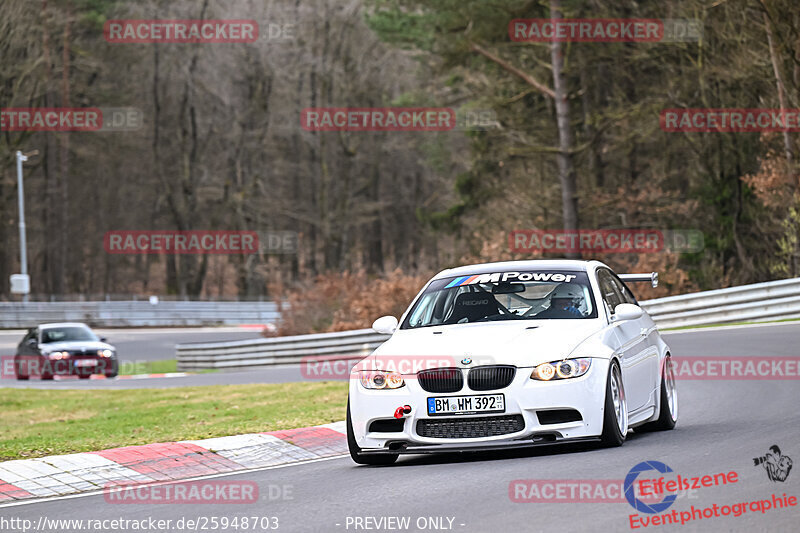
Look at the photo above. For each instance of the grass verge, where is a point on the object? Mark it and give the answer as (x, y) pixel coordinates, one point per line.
(38, 422)
(129, 368)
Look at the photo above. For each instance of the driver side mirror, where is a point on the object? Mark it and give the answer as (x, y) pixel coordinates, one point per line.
(385, 325)
(32, 343)
(103, 339)
(627, 312)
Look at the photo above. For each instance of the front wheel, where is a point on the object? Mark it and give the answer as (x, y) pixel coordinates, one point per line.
(113, 369)
(48, 369)
(362, 458)
(18, 370)
(615, 413)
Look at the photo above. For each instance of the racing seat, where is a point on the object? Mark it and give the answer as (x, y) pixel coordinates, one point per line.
(473, 306)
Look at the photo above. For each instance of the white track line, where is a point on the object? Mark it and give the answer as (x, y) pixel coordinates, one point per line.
(174, 481)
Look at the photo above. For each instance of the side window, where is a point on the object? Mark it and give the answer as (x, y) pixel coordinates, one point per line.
(608, 289)
(627, 295)
(32, 334)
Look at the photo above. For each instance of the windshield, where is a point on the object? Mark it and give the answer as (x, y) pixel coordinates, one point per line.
(71, 333)
(504, 296)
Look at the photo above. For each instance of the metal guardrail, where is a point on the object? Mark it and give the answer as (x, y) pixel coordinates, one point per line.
(143, 313)
(757, 302)
(278, 350)
(752, 303)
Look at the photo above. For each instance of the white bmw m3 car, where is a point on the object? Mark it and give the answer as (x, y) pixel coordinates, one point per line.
(511, 354)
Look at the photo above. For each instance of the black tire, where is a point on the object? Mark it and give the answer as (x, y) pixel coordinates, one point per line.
(361, 458)
(612, 436)
(18, 370)
(49, 369)
(664, 422)
(112, 370)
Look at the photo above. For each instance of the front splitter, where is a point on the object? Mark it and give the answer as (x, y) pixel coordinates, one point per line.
(476, 447)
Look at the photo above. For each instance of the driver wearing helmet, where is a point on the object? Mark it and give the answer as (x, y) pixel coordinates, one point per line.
(564, 302)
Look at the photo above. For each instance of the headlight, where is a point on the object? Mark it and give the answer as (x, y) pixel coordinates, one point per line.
(59, 355)
(105, 353)
(564, 369)
(378, 379)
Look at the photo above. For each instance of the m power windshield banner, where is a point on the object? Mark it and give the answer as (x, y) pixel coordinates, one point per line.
(499, 277)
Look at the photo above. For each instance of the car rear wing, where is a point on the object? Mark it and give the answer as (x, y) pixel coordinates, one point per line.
(652, 277)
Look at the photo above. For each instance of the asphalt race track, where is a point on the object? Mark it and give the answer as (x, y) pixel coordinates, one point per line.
(758, 340)
(723, 425)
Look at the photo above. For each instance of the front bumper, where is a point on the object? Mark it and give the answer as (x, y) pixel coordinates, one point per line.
(72, 367)
(525, 398)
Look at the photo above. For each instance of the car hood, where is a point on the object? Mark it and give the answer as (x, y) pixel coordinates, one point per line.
(75, 345)
(519, 343)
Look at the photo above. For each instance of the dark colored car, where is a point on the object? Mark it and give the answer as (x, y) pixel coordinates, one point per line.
(64, 349)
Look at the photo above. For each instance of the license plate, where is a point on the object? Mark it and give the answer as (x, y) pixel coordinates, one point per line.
(465, 405)
(85, 362)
